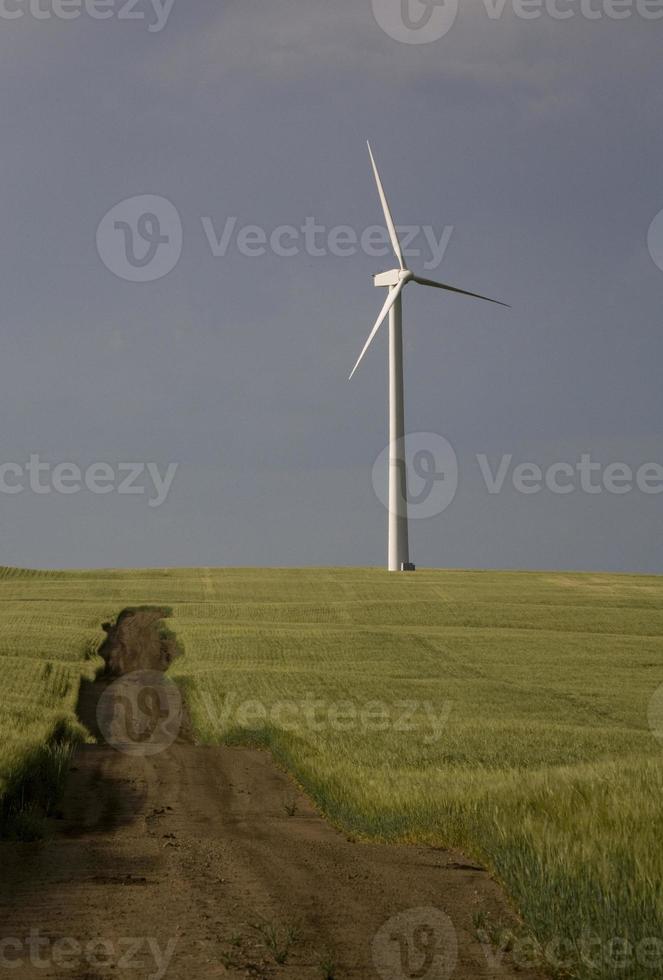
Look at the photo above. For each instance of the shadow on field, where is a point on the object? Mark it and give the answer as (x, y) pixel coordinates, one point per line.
(131, 711)
(137, 642)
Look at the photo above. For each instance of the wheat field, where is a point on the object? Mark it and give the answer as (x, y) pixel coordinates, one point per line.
(510, 714)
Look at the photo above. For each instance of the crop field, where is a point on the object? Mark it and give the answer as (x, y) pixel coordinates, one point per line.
(508, 714)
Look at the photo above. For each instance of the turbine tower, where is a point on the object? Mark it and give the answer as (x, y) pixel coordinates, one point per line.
(395, 280)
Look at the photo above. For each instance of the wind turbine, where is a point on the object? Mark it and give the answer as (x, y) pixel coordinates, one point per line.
(396, 280)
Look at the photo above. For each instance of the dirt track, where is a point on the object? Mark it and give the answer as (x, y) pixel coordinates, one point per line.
(199, 862)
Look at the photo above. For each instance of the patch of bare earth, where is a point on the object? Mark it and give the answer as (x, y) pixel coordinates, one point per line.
(201, 862)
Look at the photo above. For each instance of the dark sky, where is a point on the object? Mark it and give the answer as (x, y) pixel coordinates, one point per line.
(539, 141)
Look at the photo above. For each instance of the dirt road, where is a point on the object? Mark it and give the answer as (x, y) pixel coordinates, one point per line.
(197, 862)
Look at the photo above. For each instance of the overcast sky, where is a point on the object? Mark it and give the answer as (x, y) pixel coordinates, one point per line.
(531, 148)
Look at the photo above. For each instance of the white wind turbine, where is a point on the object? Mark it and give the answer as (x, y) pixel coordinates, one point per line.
(395, 280)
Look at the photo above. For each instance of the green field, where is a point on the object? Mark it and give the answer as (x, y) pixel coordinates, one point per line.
(505, 713)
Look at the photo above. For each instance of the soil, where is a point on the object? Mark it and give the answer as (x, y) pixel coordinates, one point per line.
(203, 862)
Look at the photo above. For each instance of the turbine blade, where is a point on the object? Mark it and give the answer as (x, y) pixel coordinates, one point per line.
(391, 227)
(455, 289)
(391, 299)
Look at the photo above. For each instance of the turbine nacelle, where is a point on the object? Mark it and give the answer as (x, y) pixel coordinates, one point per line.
(393, 277)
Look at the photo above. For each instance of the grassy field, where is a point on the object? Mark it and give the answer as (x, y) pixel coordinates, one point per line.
(505, 713)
